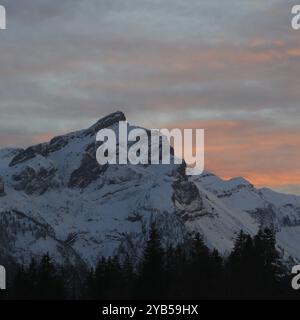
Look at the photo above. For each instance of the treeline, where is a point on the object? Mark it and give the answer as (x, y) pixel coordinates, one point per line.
(253, 270)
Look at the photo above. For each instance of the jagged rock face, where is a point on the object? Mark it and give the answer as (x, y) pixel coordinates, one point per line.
(188, 200)
(290, 220)
(60, 200)
(186, 192)
(105, 122)
(58, 143)
(36, 182)
(24, 237)
(89, 169)
(266, 217)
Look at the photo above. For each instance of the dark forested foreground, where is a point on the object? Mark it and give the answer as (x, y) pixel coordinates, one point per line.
(252, 271)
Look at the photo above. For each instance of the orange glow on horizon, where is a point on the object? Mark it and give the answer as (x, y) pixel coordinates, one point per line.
(265, 156)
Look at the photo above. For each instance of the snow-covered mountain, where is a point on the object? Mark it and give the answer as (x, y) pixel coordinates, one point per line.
(56, 198)
(265, 206)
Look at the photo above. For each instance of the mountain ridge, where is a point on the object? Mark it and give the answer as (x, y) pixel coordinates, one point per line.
(57, 198)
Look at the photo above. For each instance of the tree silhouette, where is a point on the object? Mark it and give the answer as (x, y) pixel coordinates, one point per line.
(253, 270)
(152, 277)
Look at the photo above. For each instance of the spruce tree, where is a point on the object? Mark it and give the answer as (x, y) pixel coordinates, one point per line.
(268, 263)
(152, 281)
(199, 270)
(49, 284)
(241, 268)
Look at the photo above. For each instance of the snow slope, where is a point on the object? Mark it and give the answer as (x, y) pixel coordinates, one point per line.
(58, 199)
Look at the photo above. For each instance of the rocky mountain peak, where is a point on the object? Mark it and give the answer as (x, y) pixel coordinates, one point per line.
(56, 191)
(106, 122)
(59, 142)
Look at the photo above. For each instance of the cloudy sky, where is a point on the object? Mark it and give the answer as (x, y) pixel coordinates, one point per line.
(231, 67)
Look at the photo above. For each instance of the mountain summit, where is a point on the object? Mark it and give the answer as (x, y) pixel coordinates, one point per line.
(56, 198)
